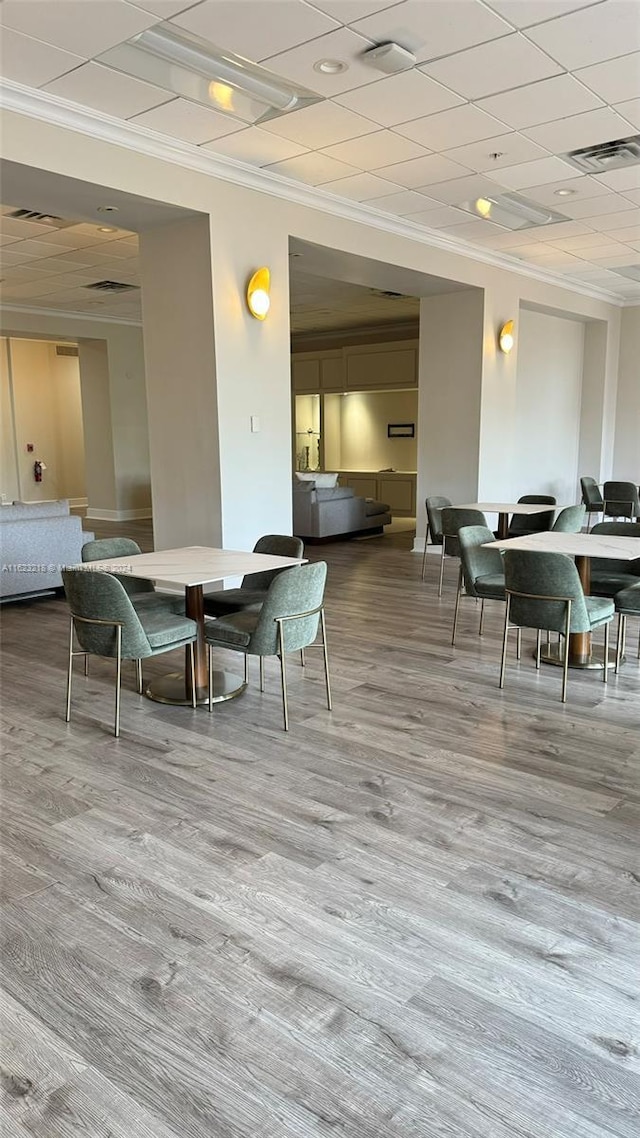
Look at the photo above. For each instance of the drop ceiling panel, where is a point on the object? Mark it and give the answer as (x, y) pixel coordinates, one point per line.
(432, 30)
(591, 35)
(580, 130)
(579, 188)
(492, 154)
(349, 10)
(525, 13)
(83, 28)
(108, 91)
(620, 180)
(345, 45)
(187, 121)
(313, 169)
(455, 127)
(596, 207)
(360, 187)
(256, 147)
(493, 67)
(630, 111)
(404, 204)
(442, 217)
(615, 80)
(423, 171)
(534, 173)
(26, 60)
(463, 189)
(616, 220)
(374, 150)
(321, 125)
(541, 102)
(245, 28)
(166, 8)
(399, 98)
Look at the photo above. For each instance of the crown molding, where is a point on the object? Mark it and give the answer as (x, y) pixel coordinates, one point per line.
(51, 109)
(66, 314)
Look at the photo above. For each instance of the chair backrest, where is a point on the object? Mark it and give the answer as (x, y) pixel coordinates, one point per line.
(621, 500)
(477, 560)
(105, 547)
(540, 576)
(453, 519)
(591, 495)
(101, 596)
(296, 590)
(533, 523)
(278, 545)
(611, 564)
(434, 506)
(569, 520)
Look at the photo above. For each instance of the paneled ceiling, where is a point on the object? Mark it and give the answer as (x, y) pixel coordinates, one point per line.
(501, 91)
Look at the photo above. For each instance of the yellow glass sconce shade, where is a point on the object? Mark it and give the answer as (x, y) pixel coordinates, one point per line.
(506, 338)
(258, 299)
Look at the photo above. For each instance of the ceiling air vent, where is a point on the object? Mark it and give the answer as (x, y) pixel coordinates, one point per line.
(386, 292)
(66, 350)
(111, 286)
(41, 218)
(607, 155)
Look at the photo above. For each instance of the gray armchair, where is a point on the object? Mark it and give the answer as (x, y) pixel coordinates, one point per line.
(621, 500)
(142, 592)
(591, 496)
(254, 586)
(608, 574)
(481, 571)
(453, 519)
(434, 506)
(569, 520)
(523, 524)
(627, 603)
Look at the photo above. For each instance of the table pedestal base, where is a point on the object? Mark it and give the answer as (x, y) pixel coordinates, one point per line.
(595, 660)
(172, 689)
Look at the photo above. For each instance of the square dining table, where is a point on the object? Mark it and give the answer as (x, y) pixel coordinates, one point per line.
(192, 568)
(504, 509)
(581, 546)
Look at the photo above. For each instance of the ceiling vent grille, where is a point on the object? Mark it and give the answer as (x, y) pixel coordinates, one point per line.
(41, 218)
(66, 350)
(111, 286)
(388, 293)
(607, 155)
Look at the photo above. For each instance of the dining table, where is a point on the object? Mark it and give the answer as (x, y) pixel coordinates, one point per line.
(583, 547)
(505, 509)
(191, 568)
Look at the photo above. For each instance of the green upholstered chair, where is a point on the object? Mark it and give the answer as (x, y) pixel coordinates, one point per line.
(608, 574)
(481, 571)
(143, 594)
(434, 506)
(523, 524)
(254, 586)
(620, 500)
(287, 621)
(107, 624)
(627, 603)
(591, 496)
(453, 519)
(569, 520)
(544, 592)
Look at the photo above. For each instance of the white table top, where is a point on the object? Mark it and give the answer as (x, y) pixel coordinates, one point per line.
(575, 544)
(193, 565)
(509, 507)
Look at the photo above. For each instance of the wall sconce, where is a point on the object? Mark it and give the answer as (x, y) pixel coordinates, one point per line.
(258, 299)
(506, 337)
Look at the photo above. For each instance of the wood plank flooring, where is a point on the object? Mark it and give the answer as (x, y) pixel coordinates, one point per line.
(414, 917)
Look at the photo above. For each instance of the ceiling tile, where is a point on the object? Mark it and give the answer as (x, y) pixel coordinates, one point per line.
(11, 259)
(320, 125)
(244, 29)
(398, 98)
(586, 241)
(442, 217)
(255, 146)
(20, 229)
(165, 8)
(591, 35)
(594, 207)
(108, 91)
(404, 203)
(423, 171)
(615, 220)
(492, 67)
(632, 196)
(456, 190)
(615, 80)
(65, 23)
(475, 230)
(629, 234)
(630, 111)
(360, 187)
(314, 169)
(534, 173)
(431, 30)
(580, 130)
(349, 10)
(297, 65)
(374, 150)
(558, 229)
(620, 180)
(455, 127)
(525, 13)
(583, 187)
(26, 60)
(187, 121)
(613, 255)
(541, 102)
(494, 153)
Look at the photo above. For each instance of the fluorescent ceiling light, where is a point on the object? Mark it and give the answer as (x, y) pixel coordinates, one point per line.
(195, 69)
(511, 211)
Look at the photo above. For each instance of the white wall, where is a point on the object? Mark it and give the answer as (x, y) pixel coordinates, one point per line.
(332, 441)
(65, 375)
(547, 413)
(626, 459)
(363, 430)
(9, 488)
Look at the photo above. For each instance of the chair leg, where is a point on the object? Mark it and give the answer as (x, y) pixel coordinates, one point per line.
(210, 674)
(605, 670)
(325, 653)
(246, 668)
(116, 730)
(192, 669)
(538, 638)
(262, 673)
(457, 608)
(519, 644)
(565, 661)
(481, 617)
(441, 567)
(70, 671)
(504, 641)
(302, 660)
(138, 664)
(424, 553)
(283, 676)
(619, 642)
(86, 663)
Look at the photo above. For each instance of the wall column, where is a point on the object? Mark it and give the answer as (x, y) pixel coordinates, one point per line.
(626, 463)
(98, 438)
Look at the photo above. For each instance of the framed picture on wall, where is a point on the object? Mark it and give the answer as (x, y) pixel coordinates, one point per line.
(401, 430)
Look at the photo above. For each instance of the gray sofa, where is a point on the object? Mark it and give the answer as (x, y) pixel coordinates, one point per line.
(320, 513)
(36, 540)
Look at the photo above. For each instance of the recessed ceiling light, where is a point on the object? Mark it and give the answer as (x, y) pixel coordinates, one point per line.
(106, 229)
(107, 209)
(330, 66)
(566, 193)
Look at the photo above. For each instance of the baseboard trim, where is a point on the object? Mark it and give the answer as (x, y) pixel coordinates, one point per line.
(76, 503)
(418, 547)
(118, 515)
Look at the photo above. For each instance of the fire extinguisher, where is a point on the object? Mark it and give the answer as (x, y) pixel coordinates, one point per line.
(38, 467)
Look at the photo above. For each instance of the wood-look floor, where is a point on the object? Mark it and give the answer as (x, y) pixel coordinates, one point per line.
(414, 917)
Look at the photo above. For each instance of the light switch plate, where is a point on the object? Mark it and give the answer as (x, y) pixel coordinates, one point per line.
(255, 424)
